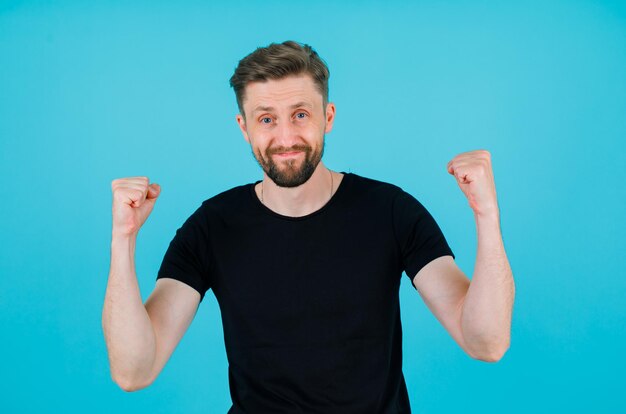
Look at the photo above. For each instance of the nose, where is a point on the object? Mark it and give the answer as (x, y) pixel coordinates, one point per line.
(286, 134)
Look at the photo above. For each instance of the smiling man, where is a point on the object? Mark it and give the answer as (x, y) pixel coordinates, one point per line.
(305, 264)
(293, 155)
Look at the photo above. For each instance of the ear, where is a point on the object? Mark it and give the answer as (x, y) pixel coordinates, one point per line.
(242, 125)
(330, 117)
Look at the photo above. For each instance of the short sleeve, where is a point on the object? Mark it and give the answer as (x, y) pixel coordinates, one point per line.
(187, 258)
(419, 238)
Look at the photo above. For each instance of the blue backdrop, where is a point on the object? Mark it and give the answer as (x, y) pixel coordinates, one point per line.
(92, 91)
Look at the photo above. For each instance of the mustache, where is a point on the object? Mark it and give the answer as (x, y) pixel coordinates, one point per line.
(281, 149)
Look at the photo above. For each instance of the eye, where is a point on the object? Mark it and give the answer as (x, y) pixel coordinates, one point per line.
(266, 120)
(301, 115)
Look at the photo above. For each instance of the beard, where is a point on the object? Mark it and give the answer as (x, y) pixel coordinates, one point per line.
(288, 173)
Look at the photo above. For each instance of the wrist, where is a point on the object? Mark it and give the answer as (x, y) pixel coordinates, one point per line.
(120, 238)
(488, 215)
(488, 230)
(487, 219)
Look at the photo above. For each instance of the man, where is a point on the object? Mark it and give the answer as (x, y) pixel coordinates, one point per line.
(305, 264)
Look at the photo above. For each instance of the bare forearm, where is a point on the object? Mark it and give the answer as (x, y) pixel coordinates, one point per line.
(487, 309)
(128, 332)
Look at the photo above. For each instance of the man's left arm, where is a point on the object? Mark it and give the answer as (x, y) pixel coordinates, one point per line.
(477, 314)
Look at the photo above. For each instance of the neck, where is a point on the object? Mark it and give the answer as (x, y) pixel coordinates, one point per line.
(302, 200)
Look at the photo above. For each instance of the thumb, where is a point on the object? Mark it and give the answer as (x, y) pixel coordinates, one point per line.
(153, 191)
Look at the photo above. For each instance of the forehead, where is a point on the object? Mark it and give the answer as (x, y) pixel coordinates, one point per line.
(283, 92)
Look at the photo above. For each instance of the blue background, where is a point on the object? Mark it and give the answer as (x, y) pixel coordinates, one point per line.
(93, 91)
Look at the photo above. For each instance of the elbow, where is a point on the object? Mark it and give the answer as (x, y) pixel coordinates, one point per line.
(488, 357)
(131, 385)
(493, 352)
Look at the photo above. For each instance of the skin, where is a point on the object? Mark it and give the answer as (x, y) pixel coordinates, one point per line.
(140, 337)
(282, 117)
(477, 314)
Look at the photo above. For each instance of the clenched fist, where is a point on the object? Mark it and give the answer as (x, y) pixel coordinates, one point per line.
(133, 200)
(474, 176)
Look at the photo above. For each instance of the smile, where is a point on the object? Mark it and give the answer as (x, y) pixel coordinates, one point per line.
(288, 154)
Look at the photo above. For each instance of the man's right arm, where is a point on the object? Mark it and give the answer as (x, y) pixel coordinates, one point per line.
(140, 338)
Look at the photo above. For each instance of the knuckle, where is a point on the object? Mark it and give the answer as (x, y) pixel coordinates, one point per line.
(136, 195)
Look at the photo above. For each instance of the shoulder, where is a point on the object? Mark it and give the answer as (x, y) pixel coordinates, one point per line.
(227, 201)
(366, 184)
(375, 190)
(229, 198)
(385, 195)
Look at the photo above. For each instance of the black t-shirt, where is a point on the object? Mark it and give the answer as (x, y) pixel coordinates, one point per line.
(310, 305)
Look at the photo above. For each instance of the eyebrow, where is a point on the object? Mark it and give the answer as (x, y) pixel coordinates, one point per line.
(271, 108)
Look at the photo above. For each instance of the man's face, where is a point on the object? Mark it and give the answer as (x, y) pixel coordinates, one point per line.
(285, 124)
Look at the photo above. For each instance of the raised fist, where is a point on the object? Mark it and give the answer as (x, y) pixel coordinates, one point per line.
(474, 176)
(133, 200)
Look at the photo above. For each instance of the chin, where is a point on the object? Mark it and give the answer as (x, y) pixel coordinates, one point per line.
(293, 178)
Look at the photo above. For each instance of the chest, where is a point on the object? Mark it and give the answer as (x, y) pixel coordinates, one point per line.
(286, 281)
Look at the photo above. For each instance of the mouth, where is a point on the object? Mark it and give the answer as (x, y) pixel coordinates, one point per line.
(287, 154)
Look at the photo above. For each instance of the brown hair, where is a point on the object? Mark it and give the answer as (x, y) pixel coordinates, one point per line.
(276, 61)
